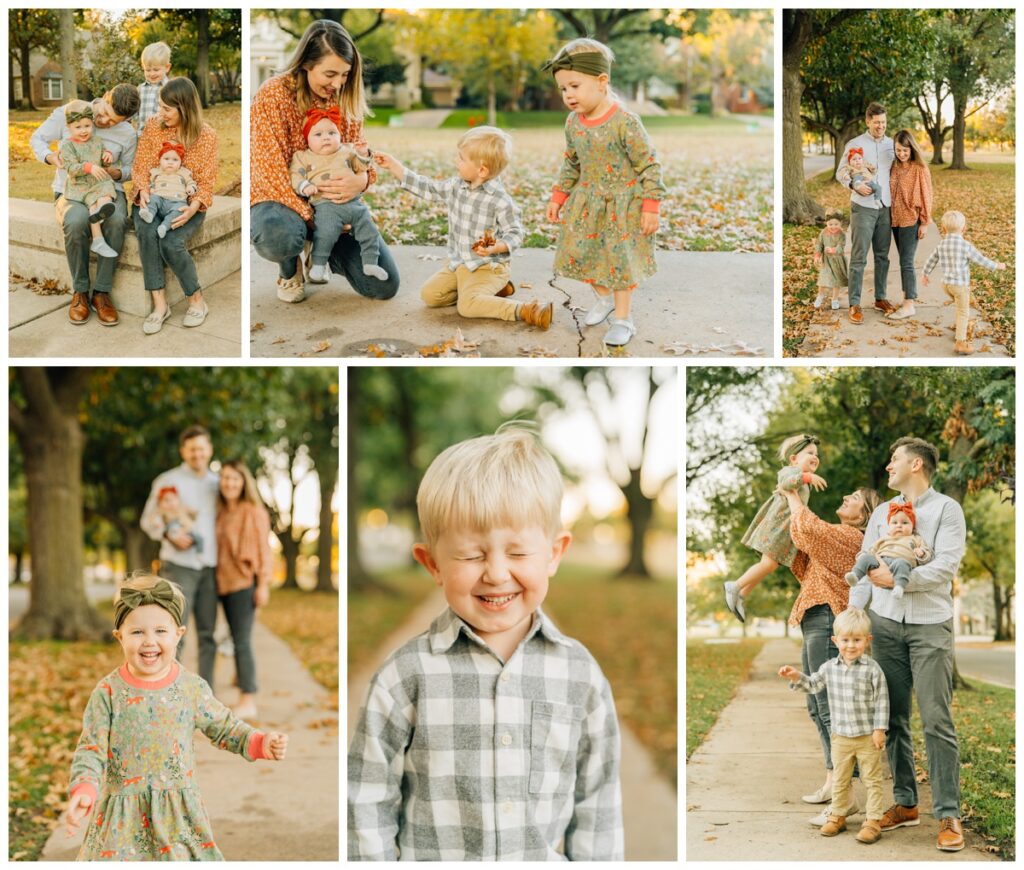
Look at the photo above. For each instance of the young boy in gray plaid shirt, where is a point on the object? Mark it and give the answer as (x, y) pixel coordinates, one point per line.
(484, 228)
(858, 701)
(492, 736)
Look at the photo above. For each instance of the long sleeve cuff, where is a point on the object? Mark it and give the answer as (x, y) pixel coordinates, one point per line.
(87, 168)
(652, 205)
(559, 196)
(85, 788)
(257, 748)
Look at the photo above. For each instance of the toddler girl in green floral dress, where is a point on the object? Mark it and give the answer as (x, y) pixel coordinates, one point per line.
(610, 186)
(135, 761)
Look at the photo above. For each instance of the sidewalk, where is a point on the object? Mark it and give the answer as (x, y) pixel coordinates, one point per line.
(39, 327)
(265, 810)
(929, 333)
(648, 802)
(743, 785)
(696, 303)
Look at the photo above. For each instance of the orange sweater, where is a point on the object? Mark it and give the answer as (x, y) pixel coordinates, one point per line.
(911, 187)
(243, 547)
(201, 159)
(275, 134)
(826, 552)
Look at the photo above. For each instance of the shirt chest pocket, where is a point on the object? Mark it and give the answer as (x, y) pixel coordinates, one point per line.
(554, 738)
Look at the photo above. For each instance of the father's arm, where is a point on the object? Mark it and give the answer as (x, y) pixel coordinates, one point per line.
(51, 130)
(949, 546)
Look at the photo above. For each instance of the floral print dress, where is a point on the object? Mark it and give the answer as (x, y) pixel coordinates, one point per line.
(136, 757)
(769, 532)
(833, 270)
(610, 175)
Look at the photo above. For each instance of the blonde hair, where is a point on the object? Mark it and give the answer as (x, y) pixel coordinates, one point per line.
(853, 620)
(953, 222)
(786, 447)
(507, 479)
(322, 38)
(250, 492)
(489, 146)
(156, 52)
(585, 44)
(179, 93)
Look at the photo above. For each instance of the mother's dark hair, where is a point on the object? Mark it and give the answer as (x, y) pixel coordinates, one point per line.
(323, 38)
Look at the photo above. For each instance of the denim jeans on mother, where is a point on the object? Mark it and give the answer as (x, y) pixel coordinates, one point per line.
(240, 610)
(78, 237)
(170, 250)
(906, 244)
(279, 234)
(818, 648)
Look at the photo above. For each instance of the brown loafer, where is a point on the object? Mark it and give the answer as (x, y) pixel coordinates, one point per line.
(507, 290)
(869, 832)
(884, 305)
(536, 314)
(951, 835)
(105, 310)
(899, 817)
(834, 825)
(78, 313)
(856, 316)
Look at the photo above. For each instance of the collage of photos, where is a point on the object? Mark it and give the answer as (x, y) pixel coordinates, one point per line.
(364, 433)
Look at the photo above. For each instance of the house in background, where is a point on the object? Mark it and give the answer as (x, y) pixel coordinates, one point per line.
(47, 83)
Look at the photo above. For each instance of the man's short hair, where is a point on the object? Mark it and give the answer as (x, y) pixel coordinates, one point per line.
(920, 449)
(853, 620)
(504, 480)
(195, 431)
(489, 146)
(124, 100)
(874, 109)
(156, 52)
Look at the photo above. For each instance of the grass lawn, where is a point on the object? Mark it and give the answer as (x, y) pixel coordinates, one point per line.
(30, 179)
(985, 194)
(986, 728)
(718, 175)
(713, 673)
(374, 614)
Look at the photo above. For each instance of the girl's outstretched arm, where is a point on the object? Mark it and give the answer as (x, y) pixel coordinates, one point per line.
(226, 731)
(90, 759)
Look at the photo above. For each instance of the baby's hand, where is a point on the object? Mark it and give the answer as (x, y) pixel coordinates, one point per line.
(98, 172)
(919, 552)
(553, 209)
(924, 280)
(386, 161)
(830, 250)
(789, 673)
(78, 809)
(275, 745)
(309, 190)
(649, 223)
(106, 158)
(818, 482)
(878, 738)
(817, 258)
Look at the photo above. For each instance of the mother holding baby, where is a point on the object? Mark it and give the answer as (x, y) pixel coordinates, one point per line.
(178, 133)
(324, 73)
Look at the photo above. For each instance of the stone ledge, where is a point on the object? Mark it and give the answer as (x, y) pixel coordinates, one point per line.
(37, 251)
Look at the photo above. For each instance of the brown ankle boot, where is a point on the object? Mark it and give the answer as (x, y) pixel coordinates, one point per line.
(536, 313)
(834, 825)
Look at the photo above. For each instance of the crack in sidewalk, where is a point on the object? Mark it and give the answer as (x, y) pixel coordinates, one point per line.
(568, 306)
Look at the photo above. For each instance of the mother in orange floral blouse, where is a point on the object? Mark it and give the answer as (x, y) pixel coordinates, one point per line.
(179, 121)
(324, 71)
(826, 551)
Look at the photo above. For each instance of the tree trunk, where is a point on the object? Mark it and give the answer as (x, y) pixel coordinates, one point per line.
(492, 102)
(959, 160)
(19, 565)
(639, 511)
(203, 56)
(26, 77)
(958, 681)
(797, 206)
(359, 578)
(325, 545)
(67, 54)
(937, 135)
(10, 80)
(846, 133)
(290, 553)
(139, 551)
(997, 601)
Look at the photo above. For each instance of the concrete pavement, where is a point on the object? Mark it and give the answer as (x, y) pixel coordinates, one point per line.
(697, 304)
(648, 801)
(743, 784)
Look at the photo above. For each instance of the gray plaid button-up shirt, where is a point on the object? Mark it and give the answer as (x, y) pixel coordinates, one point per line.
(955, 254)
(471, 212)
(858, 698)
(148, 95)
(460, 756)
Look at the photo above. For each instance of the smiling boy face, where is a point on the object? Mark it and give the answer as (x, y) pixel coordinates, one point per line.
(495, 579)
(155, 72)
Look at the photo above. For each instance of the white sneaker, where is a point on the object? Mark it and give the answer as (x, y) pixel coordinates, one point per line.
(319, 274)
(604, 306)
(835, 304)
(822, 817)
(818, 300)
(822, 796)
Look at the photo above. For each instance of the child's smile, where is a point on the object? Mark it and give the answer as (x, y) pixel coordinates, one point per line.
(149, 639)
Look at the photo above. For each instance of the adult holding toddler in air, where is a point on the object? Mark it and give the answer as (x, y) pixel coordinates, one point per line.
(325, 72)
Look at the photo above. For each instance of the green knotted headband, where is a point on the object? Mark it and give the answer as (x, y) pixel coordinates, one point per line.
(162, 595)
(77, 116)
(593, 63)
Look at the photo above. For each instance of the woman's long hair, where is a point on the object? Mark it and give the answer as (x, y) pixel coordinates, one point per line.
(907, 140)
(871, 500)
(250, 492)
(181, 94)
(322, 38)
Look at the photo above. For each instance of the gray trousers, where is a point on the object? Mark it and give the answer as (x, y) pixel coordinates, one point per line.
(900, 568)
(331, 217)
(918, 660)
(869, 228)
(78, 237)
(200, 589)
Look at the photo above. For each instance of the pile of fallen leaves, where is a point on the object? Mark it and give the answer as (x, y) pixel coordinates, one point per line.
(41, 287)
(985, 194)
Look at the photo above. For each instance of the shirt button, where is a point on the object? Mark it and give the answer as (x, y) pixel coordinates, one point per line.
(506, 739)
(504, 677)
(507, 808)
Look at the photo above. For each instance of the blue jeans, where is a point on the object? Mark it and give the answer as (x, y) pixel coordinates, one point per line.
(170, 250)
(78, 237)
(328, 222)
(278, 234)
(200, 589)
(165, 211)
(906, 244)
(869, 228)
(240, 610)
(818, 648)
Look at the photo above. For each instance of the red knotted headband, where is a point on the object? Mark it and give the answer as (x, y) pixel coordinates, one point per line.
(314, 116)
(171, 146)
(905, 508)
(853, 151)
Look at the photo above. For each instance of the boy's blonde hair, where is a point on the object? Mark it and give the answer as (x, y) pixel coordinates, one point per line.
(853, 620)
(489, 146)
(953, 222)
(504, 480)
(786, 447)
(584, 44)
(156, 52)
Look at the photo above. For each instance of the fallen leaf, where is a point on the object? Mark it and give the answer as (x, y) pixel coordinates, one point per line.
(256, 327)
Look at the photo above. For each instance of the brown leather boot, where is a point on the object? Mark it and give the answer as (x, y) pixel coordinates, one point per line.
(536, 314)
(105, 310)
(78, 313)
(507, 290)
(870, 832)
(834, 825)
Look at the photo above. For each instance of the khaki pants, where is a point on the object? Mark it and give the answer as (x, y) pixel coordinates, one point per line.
(961, 295)
(473, 292)
(846, 751)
